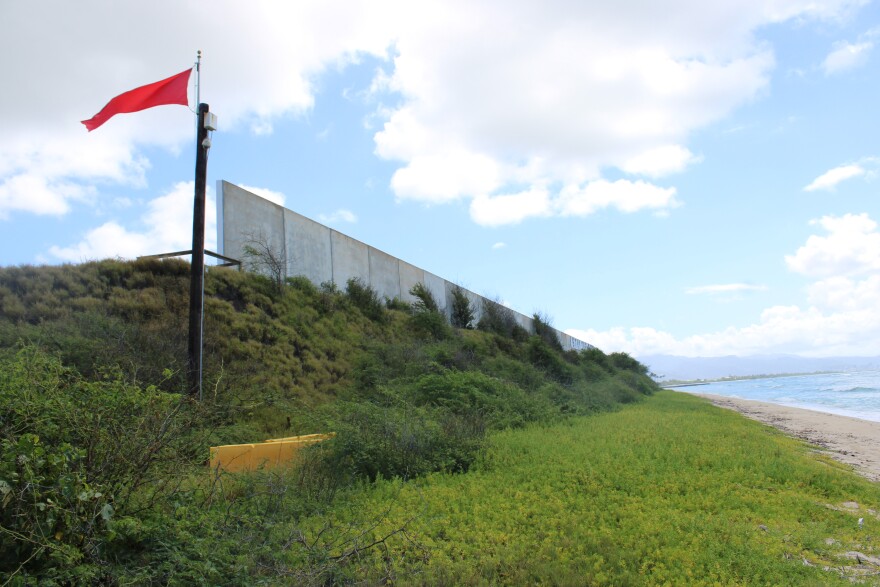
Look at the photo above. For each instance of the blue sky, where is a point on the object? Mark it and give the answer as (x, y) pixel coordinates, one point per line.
(696, 179)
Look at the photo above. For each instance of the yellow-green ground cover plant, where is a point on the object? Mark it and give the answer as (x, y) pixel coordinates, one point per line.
(461, 456)
(671, 491)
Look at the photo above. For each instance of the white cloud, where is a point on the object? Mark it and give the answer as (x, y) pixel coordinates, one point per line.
(259, 62)
(34, 194)
(553, 94)
(781, 329)
(626, 196)
(498, 245)
(660, 161)
(844, 293)
(446, 176)
(725, 288)
(623, 195)
(109, 240)
(832, 177)
(851, 247)
(490, 98)
(845, 56)
(165, 227)
(509, 208)
(841, 315)
(340, 215)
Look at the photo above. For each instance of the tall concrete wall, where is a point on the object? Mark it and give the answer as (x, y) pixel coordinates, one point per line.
(323, 255)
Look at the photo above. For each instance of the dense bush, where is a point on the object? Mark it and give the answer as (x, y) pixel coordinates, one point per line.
(428, 319)
(78, 454)
(366, 300)
(625, 362)
(545, 331)
(400, 441)
(498, 319)
(482, 398)
(462, 311)
(425, 300)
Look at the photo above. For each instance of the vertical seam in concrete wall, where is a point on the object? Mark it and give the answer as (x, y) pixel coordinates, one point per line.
(332, 268)
(370, 266)
(284, 240)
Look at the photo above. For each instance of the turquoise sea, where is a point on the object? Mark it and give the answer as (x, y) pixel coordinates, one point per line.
(855, 394)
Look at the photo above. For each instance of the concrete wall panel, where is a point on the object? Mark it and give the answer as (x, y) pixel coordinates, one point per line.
(308, 248)
(384, 274)
(409, 276)
(248, 217)
(437, 286)
(525, 321)
(350, 259)
(323, 254)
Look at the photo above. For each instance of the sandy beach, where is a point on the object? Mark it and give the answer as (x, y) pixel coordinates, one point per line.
(849, 440)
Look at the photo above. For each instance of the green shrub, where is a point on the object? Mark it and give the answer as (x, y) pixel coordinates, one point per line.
(399, 305)
(521, 373)
(425, 300)
(498, 319)
(550, 360)
(303, 284)
(462, 314)
(625, 362)
(430, 325)
(545, 331)
(54, 520)
(427, 319)
(366, 300)
(405, 441)
(475, 395)
(75, 453)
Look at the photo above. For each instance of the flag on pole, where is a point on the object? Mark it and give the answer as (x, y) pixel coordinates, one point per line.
(172, 90)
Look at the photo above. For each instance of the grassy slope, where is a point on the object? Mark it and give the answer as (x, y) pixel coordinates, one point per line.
(671, 491)
(666, 491)
(103, 367)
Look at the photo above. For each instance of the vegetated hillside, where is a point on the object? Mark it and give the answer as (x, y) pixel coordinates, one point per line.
(102, 456)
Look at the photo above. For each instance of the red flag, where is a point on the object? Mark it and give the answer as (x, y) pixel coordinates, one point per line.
(167, 91)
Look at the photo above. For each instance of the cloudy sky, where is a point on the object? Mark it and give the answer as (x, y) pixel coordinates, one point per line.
(686, 177)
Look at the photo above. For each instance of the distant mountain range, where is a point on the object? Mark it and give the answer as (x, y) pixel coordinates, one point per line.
(687, 368)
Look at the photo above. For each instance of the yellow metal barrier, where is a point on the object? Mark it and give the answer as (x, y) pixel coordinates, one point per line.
(271, 453)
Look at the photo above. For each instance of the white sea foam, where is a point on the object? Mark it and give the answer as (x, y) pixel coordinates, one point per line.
(855, 394)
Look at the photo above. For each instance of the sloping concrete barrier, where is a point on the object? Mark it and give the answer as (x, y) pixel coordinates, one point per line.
(268, 454)
(322, 255)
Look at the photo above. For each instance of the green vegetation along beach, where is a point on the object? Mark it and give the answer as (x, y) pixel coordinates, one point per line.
(673, 491)
(464, 454)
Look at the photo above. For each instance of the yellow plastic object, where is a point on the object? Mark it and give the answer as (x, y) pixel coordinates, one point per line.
(271, 453)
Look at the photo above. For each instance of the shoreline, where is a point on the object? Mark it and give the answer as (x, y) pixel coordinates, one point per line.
(852, 441)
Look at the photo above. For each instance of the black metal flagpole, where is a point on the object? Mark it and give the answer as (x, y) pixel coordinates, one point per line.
(205, 122)
(197, 279)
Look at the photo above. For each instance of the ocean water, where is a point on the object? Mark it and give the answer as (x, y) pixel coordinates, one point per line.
(855, 394)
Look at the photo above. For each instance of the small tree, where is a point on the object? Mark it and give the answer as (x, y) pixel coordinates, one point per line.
(545, 331)
(499, 319)
(261, 257)
(425, 300)
(462, 310)
(366, 299)
(427, 316)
